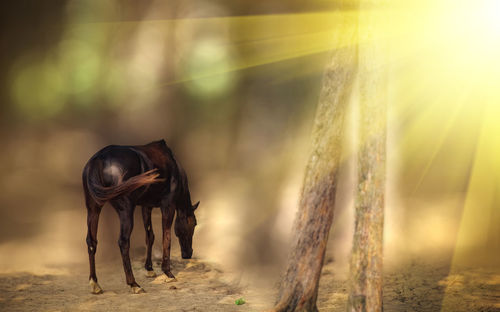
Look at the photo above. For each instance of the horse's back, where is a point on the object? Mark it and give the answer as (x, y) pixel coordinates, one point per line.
(116, 163)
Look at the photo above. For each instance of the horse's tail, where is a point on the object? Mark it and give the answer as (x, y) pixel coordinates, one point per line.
(102, 194)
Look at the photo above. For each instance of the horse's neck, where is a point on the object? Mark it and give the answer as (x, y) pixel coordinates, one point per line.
(182, 202)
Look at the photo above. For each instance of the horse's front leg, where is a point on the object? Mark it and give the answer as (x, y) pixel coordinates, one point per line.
(150, 238)
(167, 211)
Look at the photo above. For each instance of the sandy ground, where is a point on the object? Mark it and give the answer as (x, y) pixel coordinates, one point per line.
(200, 287)
(422, 285)
(411, 286)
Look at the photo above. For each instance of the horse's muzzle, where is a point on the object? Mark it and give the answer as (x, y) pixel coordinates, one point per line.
(187, 255)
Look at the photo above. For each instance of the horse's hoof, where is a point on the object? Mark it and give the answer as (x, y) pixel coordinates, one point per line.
(163, 278)
(170, 280)
(138, 290)
(160, 279)
(94, 287)
(150, 274)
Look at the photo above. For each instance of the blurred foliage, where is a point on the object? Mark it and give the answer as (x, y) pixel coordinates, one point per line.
(83, 74)
(232, 86)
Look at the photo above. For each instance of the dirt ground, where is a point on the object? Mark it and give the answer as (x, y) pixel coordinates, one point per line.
(422, 285)
(199, 287)
(411, 286)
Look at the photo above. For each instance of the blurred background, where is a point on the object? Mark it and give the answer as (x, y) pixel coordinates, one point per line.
(232, 87)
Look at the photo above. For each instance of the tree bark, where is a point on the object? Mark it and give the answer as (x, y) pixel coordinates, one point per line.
(366, 260)
(299, 285)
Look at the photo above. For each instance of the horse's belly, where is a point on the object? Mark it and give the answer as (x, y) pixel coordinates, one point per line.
(152, 196)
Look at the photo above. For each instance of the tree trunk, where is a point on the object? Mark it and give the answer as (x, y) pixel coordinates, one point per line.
(366, 260)
(299, 285)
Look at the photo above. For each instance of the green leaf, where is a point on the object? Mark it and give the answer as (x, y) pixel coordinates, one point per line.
(240, 301)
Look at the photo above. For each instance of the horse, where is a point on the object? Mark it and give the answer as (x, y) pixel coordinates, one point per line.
(146, 175)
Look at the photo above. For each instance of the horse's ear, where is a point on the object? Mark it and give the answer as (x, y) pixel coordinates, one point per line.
(196, 205)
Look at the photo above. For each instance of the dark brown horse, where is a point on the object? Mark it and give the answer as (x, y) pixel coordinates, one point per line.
(145, 175)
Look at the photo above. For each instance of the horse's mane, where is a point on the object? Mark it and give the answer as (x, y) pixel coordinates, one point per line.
(183, 194)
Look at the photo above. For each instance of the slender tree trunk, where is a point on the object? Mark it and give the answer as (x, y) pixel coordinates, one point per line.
(366, 260)
(299, 285)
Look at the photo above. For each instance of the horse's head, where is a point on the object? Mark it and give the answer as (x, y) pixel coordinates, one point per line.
(184, 229)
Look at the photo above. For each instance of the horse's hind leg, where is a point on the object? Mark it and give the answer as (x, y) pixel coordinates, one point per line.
(93, 211)
(125, 209)
(150, 238)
